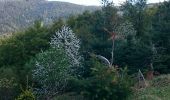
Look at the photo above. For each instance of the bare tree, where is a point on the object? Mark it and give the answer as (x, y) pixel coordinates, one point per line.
(121, 32)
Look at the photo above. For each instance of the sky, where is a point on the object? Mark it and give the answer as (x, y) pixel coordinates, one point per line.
(98, 2)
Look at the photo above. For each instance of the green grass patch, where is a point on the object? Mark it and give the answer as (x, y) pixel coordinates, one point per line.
(159, 89)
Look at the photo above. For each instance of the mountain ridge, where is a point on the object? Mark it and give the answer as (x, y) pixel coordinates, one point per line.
(22, 13)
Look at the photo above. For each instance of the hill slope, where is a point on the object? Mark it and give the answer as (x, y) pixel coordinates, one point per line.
(159, 89)
(15, 14)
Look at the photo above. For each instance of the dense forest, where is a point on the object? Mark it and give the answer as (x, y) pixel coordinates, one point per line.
(112, 53)
(18, 14)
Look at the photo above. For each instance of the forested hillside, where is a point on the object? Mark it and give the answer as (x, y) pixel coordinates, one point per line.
(18, 14)
(108, 54)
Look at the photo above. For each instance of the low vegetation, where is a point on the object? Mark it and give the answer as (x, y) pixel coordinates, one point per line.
(158, 89)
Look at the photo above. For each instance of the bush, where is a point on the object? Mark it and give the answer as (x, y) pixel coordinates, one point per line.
(19, 48)
(51, 73)
(8, 84)
(7, 88)
(26, 95)
(106, 84)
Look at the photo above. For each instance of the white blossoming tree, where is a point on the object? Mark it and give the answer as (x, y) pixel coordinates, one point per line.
(54, 67)
(65, 39)
(124, 30)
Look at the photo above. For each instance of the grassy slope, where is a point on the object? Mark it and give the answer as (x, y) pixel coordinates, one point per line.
(159, 89)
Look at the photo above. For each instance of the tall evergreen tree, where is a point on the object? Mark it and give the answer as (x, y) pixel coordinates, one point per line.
(161, 37)
(134, 11)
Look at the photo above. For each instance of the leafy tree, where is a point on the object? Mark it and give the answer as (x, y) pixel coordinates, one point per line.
(56, 25)
(161, 37)
(54, 67)
(133, 55)
(134, 11)
(89, 27)
(51, 72)
(19, 48)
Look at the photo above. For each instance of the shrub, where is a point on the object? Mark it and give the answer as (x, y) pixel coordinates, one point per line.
(106, 84)
(19, 48)
(26, 95)
(7, 88)
(51, 72)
